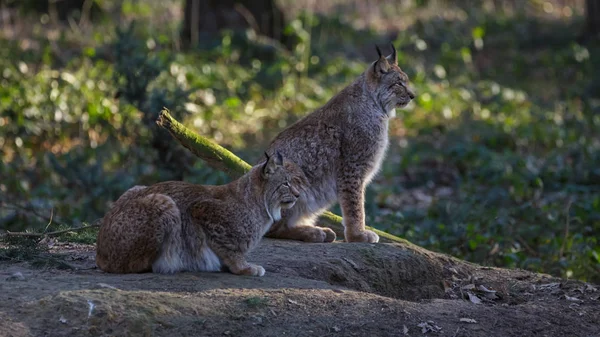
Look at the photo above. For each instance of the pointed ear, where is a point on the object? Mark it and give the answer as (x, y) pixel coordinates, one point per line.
(379, 54)
(393, 57)
(381, 65)
(272, 163)
(278, 158)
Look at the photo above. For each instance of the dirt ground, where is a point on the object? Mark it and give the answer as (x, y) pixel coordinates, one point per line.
(337, 289)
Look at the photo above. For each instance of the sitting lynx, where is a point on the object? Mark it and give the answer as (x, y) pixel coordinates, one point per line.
(340, 147)
(176, 226)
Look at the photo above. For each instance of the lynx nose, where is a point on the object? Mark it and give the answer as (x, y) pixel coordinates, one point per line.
(411, 94)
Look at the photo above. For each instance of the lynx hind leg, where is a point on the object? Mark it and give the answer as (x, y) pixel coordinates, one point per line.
(290, 227)
(132, 240)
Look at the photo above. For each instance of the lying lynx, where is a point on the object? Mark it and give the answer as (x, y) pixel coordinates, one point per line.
(340, 147)
(176, 226)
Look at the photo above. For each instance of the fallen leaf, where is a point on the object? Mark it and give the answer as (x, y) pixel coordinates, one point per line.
(429, 326)
(257, 319)
(293, 302)
(473, 298)
(548, 286)
(487, 293)
(352, 263)
(447, 286)
(468, 287)
(468, 320)
(484, 289)
(104, 285)
(404, 330)
(91, 308)
(491, 296)
(452, 269)
(573, 299)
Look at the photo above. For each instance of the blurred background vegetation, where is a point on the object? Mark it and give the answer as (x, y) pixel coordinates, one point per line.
(497, 161)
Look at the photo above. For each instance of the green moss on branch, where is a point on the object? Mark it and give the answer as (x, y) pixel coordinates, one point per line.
(212, 153)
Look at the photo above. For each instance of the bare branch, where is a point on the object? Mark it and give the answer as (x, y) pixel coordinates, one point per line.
(33, 211)
(55, 233)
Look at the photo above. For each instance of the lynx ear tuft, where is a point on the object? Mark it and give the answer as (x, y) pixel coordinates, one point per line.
(378, 51)
(394, 56)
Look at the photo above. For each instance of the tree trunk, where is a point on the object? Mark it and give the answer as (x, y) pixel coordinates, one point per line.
(204, 19)
(224, 160)
(592, 18)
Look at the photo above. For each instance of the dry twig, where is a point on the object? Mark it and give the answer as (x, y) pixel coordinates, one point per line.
(32, 211)
(95, 224)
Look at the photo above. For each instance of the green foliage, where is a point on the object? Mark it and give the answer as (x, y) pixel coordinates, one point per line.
(29, 249)
(502, 152)
(136, 69)
(21, 248)
(497, 161)
(256, 301)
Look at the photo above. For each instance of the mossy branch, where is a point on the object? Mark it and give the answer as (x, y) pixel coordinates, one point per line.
(213, 154)
(224, 160)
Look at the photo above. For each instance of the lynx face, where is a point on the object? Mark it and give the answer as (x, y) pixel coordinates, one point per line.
(284, 182)
(391, 82)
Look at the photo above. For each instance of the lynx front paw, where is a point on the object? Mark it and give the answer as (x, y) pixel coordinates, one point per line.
(253, 270)
(329, 234)
(304, 233)
(364, 236)
(317, 234)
